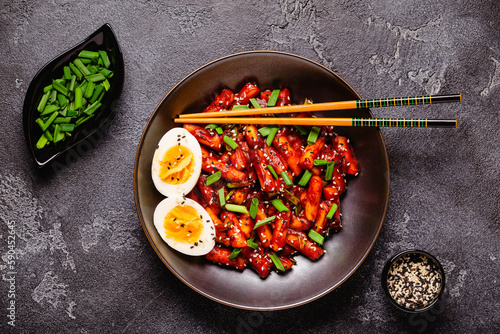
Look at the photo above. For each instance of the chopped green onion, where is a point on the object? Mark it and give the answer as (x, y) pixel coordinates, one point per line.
(230, 142)
(234, 253)
(82, 120)
(305, 178)
(330, 213)
(264, 221)
(47, 89)
(222, 198)
(278, 204)
(81, 67)
(63, 101)
(90, 90)
(254, 102)
(42, 141)
(50, 108)
(76, 71)
(211, 126)
(236, 208)
(58, 135)
(50, 120)
(60, 120)
(219, 130)
(254, 207)
(88, 54)
(43, 101)
(273, 98)
(251, 243)
(276, 261)
(105, 59)
(67, 127)
(59, 87)
(107, 73)
(315, 236)
(97, 92)
(264, 131)
(301, 129)
(239, 107)
(270, 137)
(271, 169)
(295, 200)
(92, 108)
(318, 162)
(106, 84)
(313, 135)
(286, 178)
(329, 171)
(72, 83)
(96, 77)
(67, 72)
(213, 178)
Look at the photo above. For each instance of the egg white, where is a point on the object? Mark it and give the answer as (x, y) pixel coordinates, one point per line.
(206, 240)
(174, 137)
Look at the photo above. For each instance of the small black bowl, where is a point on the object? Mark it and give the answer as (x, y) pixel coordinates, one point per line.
(409, 262)
(101, 39)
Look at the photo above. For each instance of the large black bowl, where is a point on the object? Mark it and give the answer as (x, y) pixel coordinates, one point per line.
(102, 39)
(363, 207)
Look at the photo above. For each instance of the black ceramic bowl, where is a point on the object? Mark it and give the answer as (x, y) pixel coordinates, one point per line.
(102, 39)
(413, 280)
(363, 207)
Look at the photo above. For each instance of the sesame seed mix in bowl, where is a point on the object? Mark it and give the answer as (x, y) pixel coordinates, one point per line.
(414, 281)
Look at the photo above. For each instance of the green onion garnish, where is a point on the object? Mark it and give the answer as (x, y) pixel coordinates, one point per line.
(276, 261)
(211, 126)
(222, 198)
(273, 98)
(264, 221)
(230, 142)
(313, 135)
(315, 236)
(254, 207)
(213, 178)
(330, 213)
(278, 204)
(264, 131)
(236, 208)
(271, 169)
(318, 162)
(251, 243)
(239, 107)
(286, 178)
(329, 171)
(219, 130)
(234, 253)
(270, 136)
(254, 103)
(305, 178)
(301, 129)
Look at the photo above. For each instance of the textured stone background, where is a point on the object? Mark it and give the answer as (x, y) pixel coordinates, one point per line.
(84, 264)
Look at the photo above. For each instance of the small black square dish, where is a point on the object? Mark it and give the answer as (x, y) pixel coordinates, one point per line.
(102, 39)
(413, 280)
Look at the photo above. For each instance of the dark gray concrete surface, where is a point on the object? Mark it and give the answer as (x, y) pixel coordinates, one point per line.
(83, 262)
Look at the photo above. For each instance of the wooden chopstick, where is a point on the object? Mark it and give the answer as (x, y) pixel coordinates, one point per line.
(358, 122)
(340, 105)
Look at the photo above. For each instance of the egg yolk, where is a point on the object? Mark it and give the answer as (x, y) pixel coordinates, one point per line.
(177, 165)
(183, 224)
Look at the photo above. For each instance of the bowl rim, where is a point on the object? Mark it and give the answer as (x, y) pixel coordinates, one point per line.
(143, 223)
(400, 254)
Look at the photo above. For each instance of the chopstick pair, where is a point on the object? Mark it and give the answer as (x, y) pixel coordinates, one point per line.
(227, 117)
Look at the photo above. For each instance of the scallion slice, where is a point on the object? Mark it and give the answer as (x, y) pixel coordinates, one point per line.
(313, 135)
(213, 178)
(239, 107)
(273, 98)
(278, 204)
(301, 129)
(264, 131)
(315, 236)
(276, 261)
(254, 102)
(254, 207)
(271, 169)
(270, 136)
(330, 213)
(234, 253)
(230, 142)
(264, 221)
(251, 243)
(286, 178)
(318, 162)
(329, 171)
(236, 208)
(222, 198)
(305, 178)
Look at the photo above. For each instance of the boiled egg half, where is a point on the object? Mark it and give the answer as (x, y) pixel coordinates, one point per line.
(176, 163)
(185, 225)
